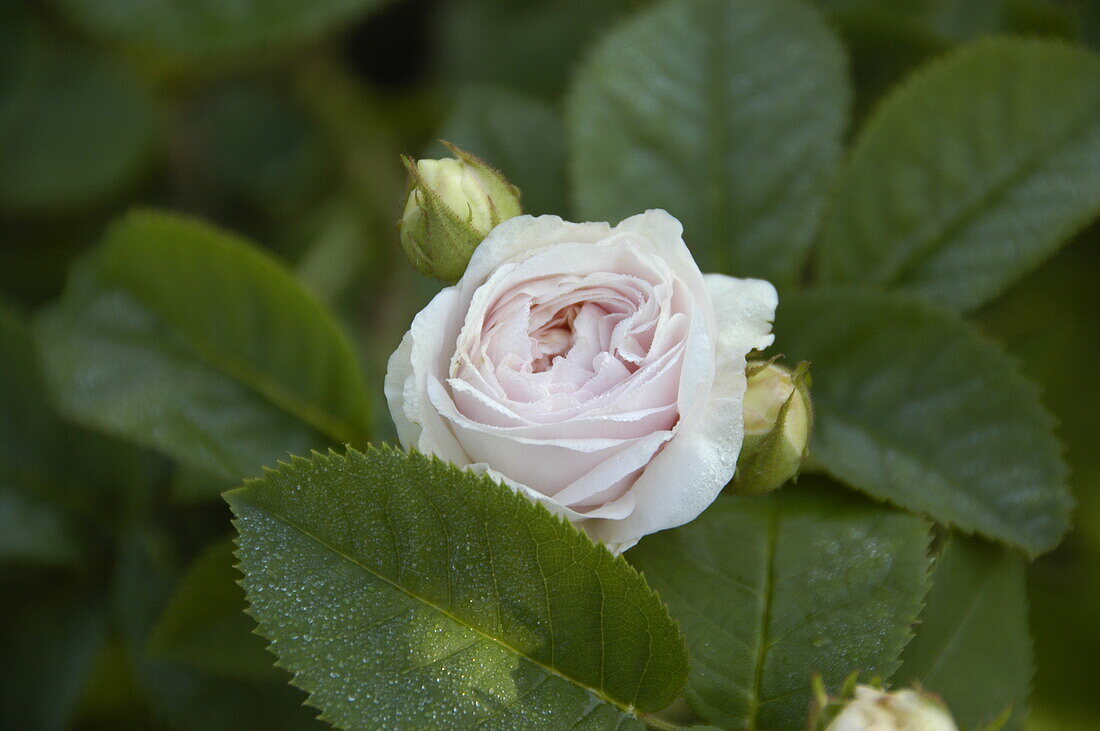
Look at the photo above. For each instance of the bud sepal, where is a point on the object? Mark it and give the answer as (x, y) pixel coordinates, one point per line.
(778, 419)
(451, 206)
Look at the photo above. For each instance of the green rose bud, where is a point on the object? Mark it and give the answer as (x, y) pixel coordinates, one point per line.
(867, 708)
(778, 420)
(452, 206)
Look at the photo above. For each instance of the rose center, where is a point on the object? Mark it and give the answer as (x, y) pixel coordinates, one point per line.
(555, 337)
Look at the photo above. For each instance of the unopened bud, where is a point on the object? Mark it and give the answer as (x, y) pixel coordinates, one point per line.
(778, 420)
(452, 206)
(873, 709)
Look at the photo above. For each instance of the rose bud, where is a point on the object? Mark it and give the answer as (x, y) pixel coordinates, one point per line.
(873, 709)
(452, 205)
(592, 368)
(778, 422)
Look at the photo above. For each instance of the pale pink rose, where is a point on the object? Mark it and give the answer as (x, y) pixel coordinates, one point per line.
(593, 369)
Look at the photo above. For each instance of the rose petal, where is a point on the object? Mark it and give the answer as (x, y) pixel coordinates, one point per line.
(687, 475)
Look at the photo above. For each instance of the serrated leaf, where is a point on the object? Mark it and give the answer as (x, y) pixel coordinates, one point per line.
(75, 127)
(1048, 320)
(970, 173)
(205, 626)
(973, 645)
(771, 590)
(519, 135)
(403, 592)
(198, 29)
(186, 339)
(913, 406)
(689, 107)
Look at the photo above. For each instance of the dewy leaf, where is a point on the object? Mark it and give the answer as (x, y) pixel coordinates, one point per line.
(189, 340)
(973, 646)
(689, 107)
(198, 29)
(970, 174)
(403, 592)
(520, 136)
(74, 127)
(915, 407)
(771, 590)
(205, 625)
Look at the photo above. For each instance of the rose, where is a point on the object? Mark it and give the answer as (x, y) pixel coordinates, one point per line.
(594, 369)
(905, 710)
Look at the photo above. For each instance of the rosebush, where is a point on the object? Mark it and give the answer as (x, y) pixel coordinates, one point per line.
(202, 285)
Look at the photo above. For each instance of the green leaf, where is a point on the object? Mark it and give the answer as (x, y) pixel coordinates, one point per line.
(58, 484)
(404, 592)
(188, 340)
(973, 646)
(74, 126)
(771, 590)
(915, 407)
(180, 697)
(500, 127)
(970, 174)
(689, 107)
(204, 625)
(54, 478)
(1062, 291)
(33, 525)
(197, 29)
(531, 45)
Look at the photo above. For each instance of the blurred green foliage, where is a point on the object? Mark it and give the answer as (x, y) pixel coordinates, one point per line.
(284, 122)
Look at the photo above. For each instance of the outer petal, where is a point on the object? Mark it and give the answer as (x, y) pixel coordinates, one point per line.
(510, 240)
(697, 463)
(399, 370)
(612, 510)
(408, 371)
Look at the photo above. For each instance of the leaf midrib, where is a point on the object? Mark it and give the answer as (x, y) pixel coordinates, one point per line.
(261, 384)
(910, 258)
(891, 448)
(241, 493)
(767, 598)
(960, 625)
(267, 386)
